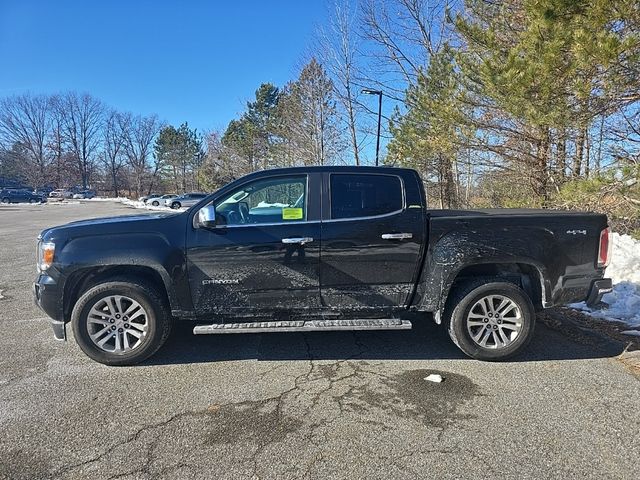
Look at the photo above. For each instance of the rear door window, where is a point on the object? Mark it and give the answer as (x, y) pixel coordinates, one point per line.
(364, 195)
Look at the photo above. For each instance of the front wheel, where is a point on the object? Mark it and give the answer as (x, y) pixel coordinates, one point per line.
(175, 205)
(490, 321)
(5, 200)
(155, 203)
(121, 322)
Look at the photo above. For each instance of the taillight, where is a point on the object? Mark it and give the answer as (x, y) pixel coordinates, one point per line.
(604, 249)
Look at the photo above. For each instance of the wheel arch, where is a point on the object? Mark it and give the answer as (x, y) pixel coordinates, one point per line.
(81, 280)
(528, 276)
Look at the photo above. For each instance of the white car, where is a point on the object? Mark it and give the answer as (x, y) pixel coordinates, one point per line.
(61, 193)
(84, 194)
(156, 200)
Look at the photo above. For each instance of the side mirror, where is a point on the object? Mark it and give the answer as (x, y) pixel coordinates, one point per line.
(207, 217)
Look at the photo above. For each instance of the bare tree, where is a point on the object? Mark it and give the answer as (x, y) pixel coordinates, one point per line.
(405, 34)
(82, 119)
(26, 120)
(337, 48)
(309, 129)
(112, 156)
(138, 146)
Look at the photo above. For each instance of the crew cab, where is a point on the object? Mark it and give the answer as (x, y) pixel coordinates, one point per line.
(317, 249)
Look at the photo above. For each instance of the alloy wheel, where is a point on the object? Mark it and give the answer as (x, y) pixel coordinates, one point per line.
(117, 324)
(494, 321)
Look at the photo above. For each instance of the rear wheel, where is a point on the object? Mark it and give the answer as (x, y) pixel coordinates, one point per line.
(5, 200)
(175, 205)
(155, 203)
(121, 322)
(490, 321)
(33, 200)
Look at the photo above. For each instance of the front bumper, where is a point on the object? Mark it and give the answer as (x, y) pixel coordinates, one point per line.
(47, 296)
(597, 290)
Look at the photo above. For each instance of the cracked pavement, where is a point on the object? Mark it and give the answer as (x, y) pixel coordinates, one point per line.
(314, 405)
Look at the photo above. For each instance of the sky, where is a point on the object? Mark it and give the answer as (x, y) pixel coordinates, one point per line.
(195, 61)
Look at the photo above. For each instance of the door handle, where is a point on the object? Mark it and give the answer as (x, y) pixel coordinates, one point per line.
(396, 236)
(300, 240)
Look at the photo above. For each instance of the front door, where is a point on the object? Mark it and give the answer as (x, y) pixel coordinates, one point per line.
(371, 242)
(264, 252)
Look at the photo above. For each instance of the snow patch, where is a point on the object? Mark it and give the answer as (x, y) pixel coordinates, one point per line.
(135, 204)
(624, 270)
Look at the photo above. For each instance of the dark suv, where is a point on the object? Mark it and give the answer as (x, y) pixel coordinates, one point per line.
(20, 196)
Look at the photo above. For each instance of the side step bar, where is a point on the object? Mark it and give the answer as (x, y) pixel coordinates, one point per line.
(304, 326)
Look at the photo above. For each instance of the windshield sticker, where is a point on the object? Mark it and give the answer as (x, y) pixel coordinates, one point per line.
(292, 213)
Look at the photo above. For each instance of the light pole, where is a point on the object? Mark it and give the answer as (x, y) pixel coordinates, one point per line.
(369, 91)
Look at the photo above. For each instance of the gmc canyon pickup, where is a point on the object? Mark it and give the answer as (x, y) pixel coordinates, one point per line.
(317, 249)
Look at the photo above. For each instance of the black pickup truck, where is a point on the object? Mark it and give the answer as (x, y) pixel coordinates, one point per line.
(317, 249)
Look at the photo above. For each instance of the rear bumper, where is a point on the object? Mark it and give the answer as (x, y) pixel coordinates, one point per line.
(47, 296)
(598, 289)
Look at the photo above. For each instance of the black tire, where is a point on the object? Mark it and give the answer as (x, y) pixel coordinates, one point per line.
(463, 299)
(6, 200)
(175, 205)
(33, 200)
(158, 318)
(155, 203)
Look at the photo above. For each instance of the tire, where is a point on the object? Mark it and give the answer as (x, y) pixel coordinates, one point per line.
(470, 320)
(155, 203)
(175, 205)
(33, 200)
(6, 200)
(157, 322)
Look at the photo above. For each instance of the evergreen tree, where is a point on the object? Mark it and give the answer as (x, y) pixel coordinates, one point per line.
(179, 151)
(251, 136)
(431, 135)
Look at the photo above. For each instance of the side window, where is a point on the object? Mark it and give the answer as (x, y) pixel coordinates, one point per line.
(364, 195)
(272, 200)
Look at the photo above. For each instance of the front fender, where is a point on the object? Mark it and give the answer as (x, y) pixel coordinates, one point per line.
(148, 250)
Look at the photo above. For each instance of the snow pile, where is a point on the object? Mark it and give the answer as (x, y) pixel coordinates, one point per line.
(134, 204)
(624, 270)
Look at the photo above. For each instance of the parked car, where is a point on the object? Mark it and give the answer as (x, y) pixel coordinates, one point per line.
(144, 198)
(157, 201)
(61, 193)
(44, 191)
(184, 200)
(13, 195)
(340, 248)
(85, 194)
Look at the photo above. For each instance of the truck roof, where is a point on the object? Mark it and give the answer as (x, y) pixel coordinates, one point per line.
(339, 168)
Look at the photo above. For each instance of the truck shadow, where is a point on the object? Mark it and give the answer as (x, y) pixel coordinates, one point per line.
(555, 339)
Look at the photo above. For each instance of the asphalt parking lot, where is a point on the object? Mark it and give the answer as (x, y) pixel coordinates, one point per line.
(323, 405)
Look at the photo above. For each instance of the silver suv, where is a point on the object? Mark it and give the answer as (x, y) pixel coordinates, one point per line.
(184, 200)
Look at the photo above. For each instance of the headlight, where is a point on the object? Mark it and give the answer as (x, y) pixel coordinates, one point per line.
(46, 251)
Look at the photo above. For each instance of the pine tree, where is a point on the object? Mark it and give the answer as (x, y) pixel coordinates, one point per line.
(431, 136)
(179, 151)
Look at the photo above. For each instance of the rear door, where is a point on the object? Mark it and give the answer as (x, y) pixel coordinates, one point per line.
(264, 253)
(371, 240)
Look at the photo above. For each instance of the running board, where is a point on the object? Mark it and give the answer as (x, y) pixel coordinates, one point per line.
(304, 326)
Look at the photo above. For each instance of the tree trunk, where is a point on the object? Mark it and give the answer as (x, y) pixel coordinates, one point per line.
(577, 162)
(562, 153)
